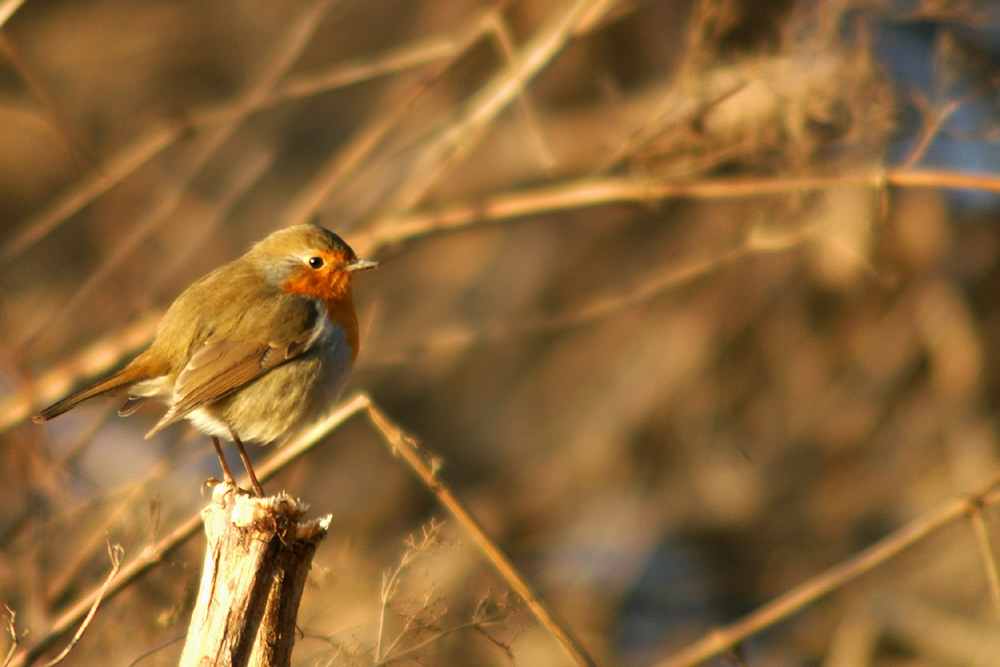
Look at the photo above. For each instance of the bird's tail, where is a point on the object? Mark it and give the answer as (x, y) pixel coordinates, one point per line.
(123, 378)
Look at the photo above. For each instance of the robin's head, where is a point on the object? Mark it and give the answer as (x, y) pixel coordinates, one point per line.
(310, 260)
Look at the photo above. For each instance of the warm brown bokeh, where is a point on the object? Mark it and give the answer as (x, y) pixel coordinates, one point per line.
(677, 349)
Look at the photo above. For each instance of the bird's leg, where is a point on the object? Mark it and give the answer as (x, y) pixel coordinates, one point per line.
(226, 475)
(246, 463)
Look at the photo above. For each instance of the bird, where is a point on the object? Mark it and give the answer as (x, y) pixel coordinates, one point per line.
(253, 351)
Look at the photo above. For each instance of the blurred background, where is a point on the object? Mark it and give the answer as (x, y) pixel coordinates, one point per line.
(675, 289)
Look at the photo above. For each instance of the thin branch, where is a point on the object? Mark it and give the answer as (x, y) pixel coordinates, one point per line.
(726, 637)
(988, 555)
(117, 554)
(929, 133)
(339, 75)
(10, 620)
(942, 178)
(426, 468)
(156, 648)
(587, 192)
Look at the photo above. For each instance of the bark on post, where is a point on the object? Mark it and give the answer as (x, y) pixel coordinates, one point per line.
(256, 562)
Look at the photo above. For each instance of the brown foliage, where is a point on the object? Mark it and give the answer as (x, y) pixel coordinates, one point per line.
(681, 334)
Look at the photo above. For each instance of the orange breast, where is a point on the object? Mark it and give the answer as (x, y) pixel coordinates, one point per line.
(341, 311)
(333, 288)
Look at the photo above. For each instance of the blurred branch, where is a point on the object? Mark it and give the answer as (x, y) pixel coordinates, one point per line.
(365, 140)
(943, 178)
(498, 27)
(69, 575)
(150, 557)
(207, 220)
(283, 56)
(392, 61)
(155, 141)
(587, 192)
(7, 8)
(50, 111)
(724, 638)
(570, 195)
(93, 360)
(933, 122)
(756, 242)
(102, 179)
(457, 138)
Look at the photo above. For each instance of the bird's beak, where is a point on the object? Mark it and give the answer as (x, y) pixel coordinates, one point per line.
(359, 264)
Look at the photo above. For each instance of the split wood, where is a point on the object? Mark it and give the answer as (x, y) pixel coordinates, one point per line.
(256, 561)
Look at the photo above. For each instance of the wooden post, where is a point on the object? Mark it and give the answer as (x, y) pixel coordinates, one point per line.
(256, 562)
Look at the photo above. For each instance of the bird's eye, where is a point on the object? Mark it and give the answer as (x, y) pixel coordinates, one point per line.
(316, 262)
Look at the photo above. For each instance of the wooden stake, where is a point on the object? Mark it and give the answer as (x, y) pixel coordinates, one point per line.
(256, 562)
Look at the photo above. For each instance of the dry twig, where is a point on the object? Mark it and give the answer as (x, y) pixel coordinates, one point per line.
(724, 638)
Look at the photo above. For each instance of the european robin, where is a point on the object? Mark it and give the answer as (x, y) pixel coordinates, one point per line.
(253, 351)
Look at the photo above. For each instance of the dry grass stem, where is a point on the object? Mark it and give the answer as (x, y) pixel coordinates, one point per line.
(480, 621)
(117, 555)
(127, 574)
(10, 623)
(390, 587)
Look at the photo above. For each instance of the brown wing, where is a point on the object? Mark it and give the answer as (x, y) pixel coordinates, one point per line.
(224, 363)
